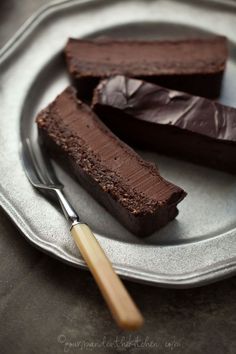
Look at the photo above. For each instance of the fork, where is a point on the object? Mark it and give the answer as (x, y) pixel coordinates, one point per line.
(42, 176)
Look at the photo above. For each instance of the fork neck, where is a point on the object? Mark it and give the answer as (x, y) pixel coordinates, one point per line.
(67, 208)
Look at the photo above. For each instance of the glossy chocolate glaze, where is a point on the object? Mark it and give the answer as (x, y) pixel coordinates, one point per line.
(155, 104)
(153, 110)
(129, 187)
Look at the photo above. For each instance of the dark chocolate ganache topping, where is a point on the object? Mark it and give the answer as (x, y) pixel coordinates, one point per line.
(155, 104)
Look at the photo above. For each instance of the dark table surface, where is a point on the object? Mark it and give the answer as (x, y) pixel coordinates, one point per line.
(49, 307)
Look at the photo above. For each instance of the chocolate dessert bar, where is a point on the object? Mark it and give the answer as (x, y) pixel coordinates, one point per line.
(192, 65)
(169, 122)
(130, 188)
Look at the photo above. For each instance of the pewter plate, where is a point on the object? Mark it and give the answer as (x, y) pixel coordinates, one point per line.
(200, 245)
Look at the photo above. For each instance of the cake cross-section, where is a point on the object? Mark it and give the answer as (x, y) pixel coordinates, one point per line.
(130, 188)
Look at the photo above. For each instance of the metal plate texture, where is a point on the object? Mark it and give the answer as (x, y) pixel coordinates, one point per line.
(199, 247)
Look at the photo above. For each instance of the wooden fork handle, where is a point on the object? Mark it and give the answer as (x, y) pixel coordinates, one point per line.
(122, 307)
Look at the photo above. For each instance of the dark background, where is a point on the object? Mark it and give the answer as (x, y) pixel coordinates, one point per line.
(49, 307)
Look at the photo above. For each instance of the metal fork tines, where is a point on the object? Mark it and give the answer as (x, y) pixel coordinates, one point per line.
(42, 176)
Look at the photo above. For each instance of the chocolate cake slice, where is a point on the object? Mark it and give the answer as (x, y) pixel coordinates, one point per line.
(130, 188)
(169, 122)
(192, 65)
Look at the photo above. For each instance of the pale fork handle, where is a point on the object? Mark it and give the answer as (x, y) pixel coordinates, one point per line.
(122, 307)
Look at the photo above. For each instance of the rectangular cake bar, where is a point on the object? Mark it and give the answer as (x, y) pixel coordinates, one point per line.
(170, 122)
(130, 188)
(194, 65)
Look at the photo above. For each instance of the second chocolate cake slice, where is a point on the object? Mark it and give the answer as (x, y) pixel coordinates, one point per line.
(194, 65)
(170, 122)
(130, 188)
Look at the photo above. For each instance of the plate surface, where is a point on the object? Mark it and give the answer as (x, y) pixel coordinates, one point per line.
(200, 245)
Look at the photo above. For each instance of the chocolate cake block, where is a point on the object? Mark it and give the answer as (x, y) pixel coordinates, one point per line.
(130, 188)
(192, 65)
(170, 122)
